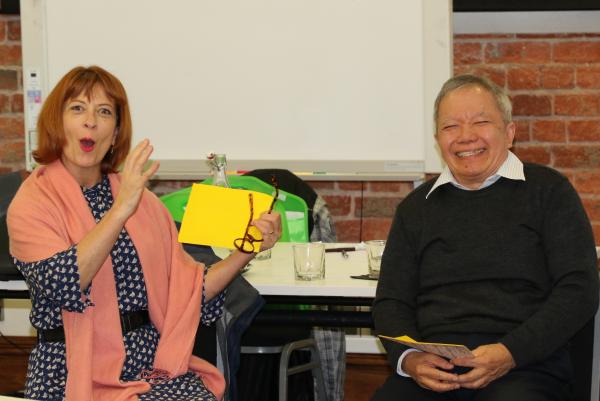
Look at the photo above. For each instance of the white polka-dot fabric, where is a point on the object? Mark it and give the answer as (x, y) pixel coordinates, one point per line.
(54, 285)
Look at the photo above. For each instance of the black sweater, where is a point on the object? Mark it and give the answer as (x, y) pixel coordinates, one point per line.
(516, 259)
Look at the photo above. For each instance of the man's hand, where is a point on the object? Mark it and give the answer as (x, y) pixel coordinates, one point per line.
(429, 371)
(489, 362)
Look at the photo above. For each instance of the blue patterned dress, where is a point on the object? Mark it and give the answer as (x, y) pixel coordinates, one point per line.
(54, 285)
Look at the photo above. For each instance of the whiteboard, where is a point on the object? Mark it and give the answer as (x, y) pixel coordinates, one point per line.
(327, 85)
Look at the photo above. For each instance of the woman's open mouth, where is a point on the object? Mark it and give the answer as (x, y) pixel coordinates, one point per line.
(87, 144)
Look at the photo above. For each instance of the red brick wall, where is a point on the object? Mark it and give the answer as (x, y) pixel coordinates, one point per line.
(12, 142)
(554, 81)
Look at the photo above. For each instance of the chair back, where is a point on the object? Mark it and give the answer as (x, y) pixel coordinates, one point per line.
(9, 184)
(291, 183)
(293, 209)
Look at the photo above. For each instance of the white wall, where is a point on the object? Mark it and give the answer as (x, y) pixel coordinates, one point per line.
(325, 81)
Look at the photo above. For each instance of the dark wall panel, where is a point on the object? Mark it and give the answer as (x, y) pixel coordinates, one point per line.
(525, 5)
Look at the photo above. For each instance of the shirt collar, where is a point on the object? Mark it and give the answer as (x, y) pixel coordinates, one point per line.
(511, 168)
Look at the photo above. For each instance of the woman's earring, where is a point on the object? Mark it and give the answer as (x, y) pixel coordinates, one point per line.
(111, 149)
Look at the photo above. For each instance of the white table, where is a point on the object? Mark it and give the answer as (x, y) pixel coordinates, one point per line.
(274, 278)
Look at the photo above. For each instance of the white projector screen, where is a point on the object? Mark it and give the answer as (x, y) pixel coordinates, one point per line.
(327, 85)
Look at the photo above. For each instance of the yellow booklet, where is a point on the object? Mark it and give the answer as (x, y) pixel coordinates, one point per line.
(217, 216)
(446, 350)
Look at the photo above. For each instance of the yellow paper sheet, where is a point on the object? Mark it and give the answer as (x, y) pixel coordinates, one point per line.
(449, 351)
(216, 216)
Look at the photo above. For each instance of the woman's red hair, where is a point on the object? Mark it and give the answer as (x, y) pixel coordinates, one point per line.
(82, 80)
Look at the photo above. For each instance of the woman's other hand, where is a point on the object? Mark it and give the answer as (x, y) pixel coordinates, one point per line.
(269, 225)
(134, 178)
(221, 273)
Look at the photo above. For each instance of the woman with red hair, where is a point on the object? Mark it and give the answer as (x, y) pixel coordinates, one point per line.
(115, 299)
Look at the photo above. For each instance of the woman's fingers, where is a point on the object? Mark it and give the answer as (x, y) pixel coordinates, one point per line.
(141, 155)
(138, 159)
(151, 170)
(264, 226)
(269, 223)
(134, 176)
(133, 155)
(142, 159)
(138, 156)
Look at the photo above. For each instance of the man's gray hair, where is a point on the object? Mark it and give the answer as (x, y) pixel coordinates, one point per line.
(459, 81)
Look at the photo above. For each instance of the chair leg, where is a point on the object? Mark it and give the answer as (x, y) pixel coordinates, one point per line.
(284, 362)
(314, 366)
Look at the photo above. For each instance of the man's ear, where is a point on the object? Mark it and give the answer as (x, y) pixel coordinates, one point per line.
(510, 133)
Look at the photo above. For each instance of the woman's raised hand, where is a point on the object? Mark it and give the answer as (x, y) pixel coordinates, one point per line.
(134, 178)
(96, 245)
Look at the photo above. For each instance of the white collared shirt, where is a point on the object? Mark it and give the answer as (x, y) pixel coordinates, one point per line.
(511, 168)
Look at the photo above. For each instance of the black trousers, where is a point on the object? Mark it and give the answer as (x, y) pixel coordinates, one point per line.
(549, 380)
(516, 385)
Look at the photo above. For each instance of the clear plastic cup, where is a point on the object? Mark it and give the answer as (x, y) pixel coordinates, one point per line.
(374, 253)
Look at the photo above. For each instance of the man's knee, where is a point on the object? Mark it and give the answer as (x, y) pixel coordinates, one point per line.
(523, 385)
(398, 388)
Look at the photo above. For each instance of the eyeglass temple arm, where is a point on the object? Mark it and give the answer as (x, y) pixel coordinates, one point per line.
(275, 184)
(249, 222)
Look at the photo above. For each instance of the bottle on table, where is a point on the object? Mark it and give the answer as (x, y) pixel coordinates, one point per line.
(218, 163)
